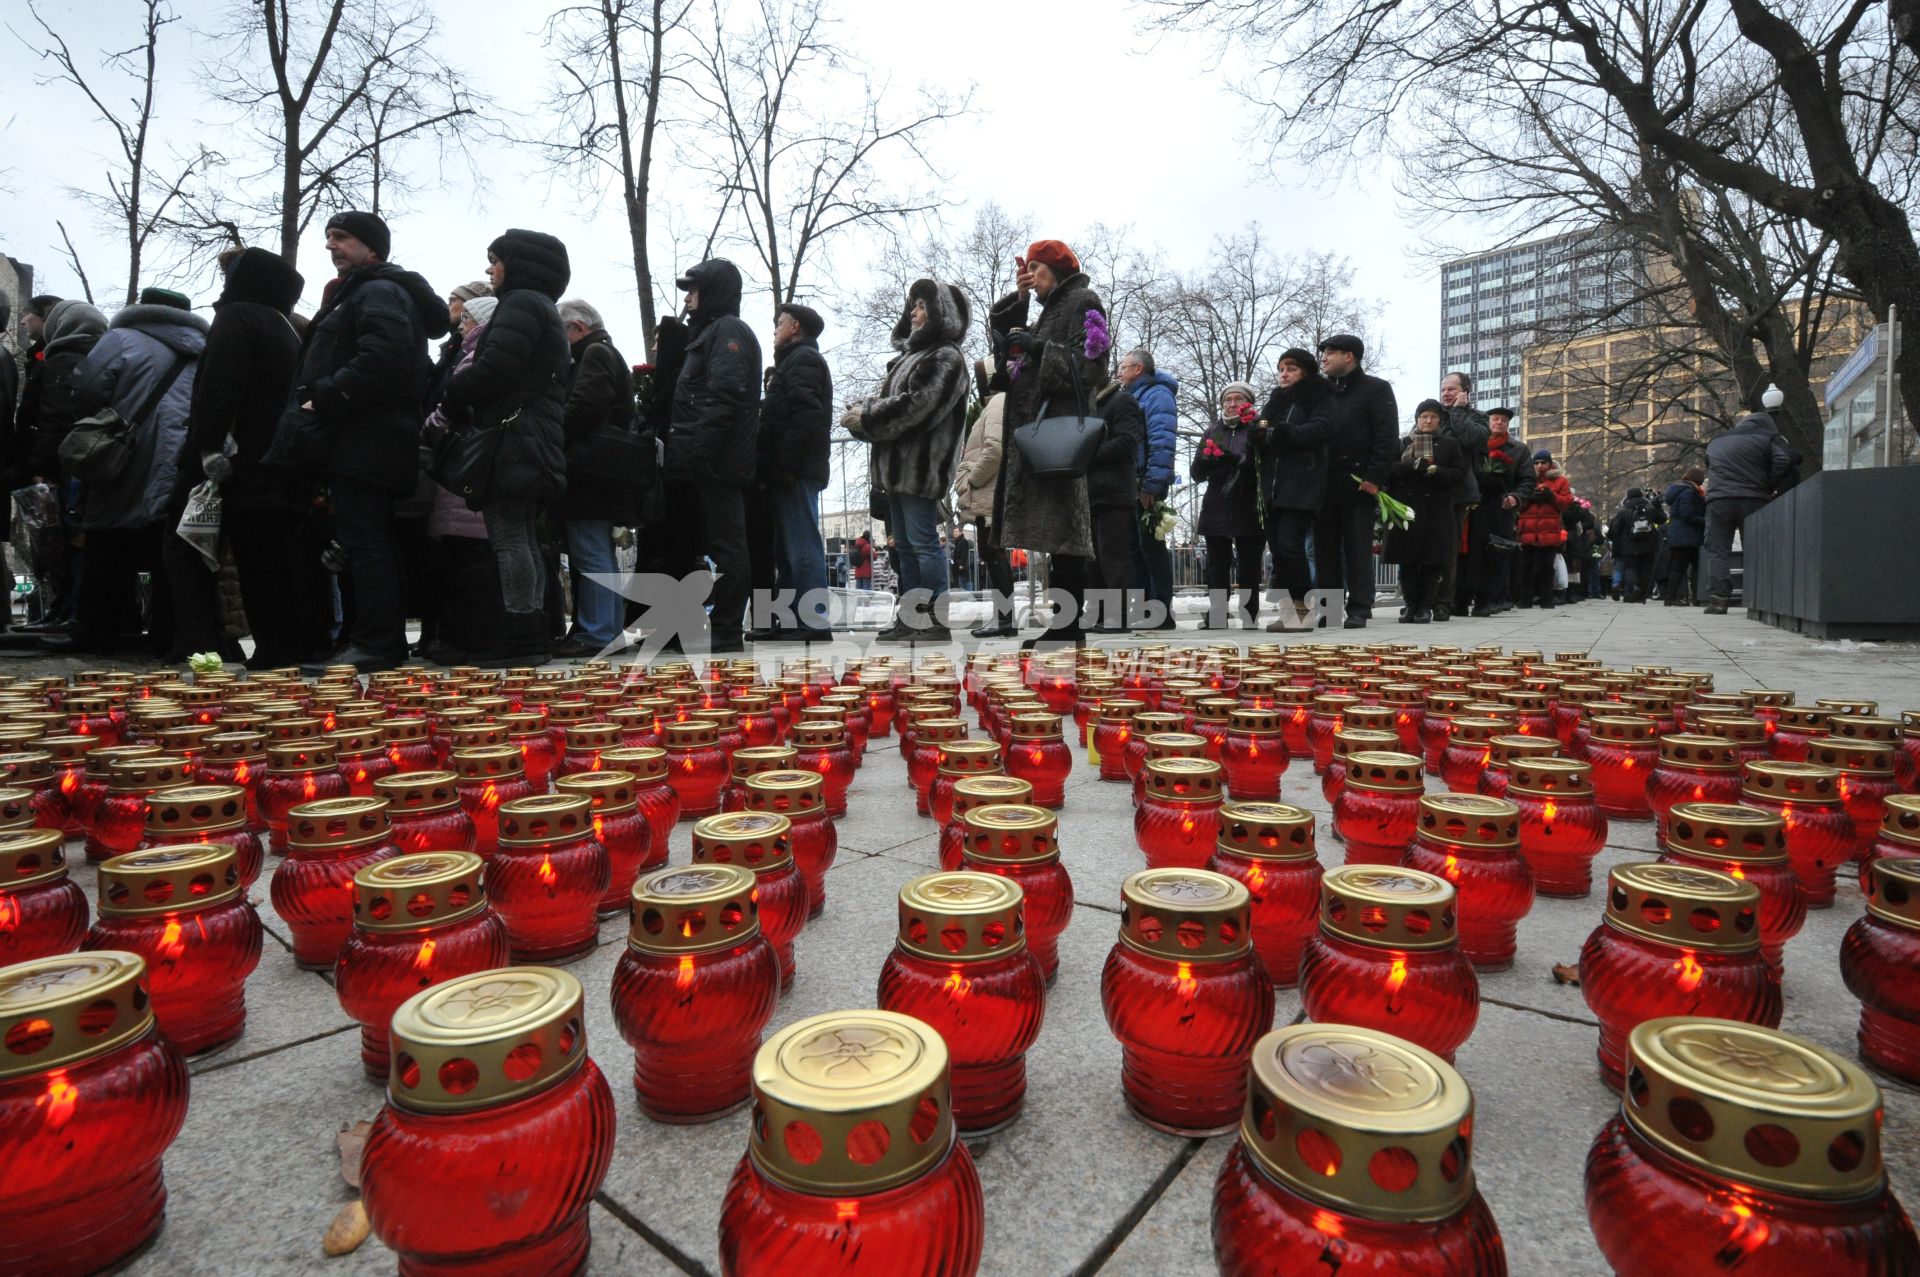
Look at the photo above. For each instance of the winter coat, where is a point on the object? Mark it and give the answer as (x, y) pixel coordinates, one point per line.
(980, 461)
(1158, 396)
(796, 421)
(519, 371)
(716, 398)
(1231, 505)
(1751, 461)
(1293, 458)
(20, 416)
(73, 328)
(1112, 479)
(599, 390)
(240, 388)
(1635, 528)
(364, 368)
(1540, 508)
(142, 346)
(1050, 515)
(860, 559)
(916, 421)
(1434, 537)
(1467, 426)
(1503, 470)
(1364, 433)
(1686, 515)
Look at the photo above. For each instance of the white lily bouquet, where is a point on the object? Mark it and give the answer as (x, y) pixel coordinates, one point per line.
(1158, 520)
(205, 662)
(1389, 514)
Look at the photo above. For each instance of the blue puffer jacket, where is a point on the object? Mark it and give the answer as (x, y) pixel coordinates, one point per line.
(1153, 460)
(1686, 515)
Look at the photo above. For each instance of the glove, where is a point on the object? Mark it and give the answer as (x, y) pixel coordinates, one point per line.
(217, 466)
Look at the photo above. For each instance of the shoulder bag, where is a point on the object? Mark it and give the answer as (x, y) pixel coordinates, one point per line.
(1061, 447)
(98, 448)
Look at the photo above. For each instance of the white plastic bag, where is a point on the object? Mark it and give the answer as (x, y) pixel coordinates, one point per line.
(200, 522)
(1559, 571)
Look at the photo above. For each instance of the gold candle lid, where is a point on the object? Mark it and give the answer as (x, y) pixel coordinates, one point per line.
(56, 1012)
(1373, 718)
(428, 889)
(695, 733)
(1266, 831)
(29, 857)
(1036, 726)
(988, 791)
(1902, 821)
(1784, 782)
(1741, 729)
(754, 759)
(296, 758)
(1684, 906)
(148, 775)
(1360, 1121)
(1469, 729)
(1910, 723)
(1185, 915)
(1755, 1105)
(99, 764)
(1847, 705)
(1893, 891)
(1773, 697)
(1385, 907)
(1354, 740)
(543, 819)
(488, 762)
(1149, 721)
(404, 731)
(476, 735)
(1469, 820)
(416, 793)
(1728, 831)
(1810, 720)
(1384, 771)
(1699, 752)
(962, 917)
(758, 840)
(850, 1103)
(168, 879)
(968, 758)
(1214, 709)
(1333, 704)
(1504, 749)
(249, 746)
(1186, 780)
(1862, 727)
(486, 1039)
(523, 722)
(927, 731)
(1854, 757)
(1120, 709)
(1622, 727)
(1249, 720)
(610, 792)
(1173, 745)
(693, 909)
(196, 809)
(294, 729)
(592, 736)
(68, 750)
(337, 822)
(1009, 833)
(648, 763)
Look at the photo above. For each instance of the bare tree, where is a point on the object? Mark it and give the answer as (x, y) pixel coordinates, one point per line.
(137, 200)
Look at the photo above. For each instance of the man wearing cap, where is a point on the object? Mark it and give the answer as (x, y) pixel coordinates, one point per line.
(795, 422)
(362, 378)
(1748, 464)
(1364, 443)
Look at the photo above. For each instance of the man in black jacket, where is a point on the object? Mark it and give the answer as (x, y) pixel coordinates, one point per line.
(1364, 442)
(794, 426)
(1466, 425)
(1747, 466)
(363, 375)
(599, 394)
(710, 443)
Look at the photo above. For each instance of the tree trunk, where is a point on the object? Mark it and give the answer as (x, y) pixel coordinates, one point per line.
(290, 190)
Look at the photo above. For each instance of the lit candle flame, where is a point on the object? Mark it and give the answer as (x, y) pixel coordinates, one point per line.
(1328, 1224)
(1184, 981)
(59, 1101)
(171, 946)
(956, 985)
(683, 978)
(546, 873)
(1691, 972)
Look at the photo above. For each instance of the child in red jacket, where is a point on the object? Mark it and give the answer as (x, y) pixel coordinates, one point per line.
(1540, 530)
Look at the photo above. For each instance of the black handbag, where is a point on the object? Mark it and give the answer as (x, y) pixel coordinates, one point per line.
(96, 451)
(463, 461)
(1061, 447)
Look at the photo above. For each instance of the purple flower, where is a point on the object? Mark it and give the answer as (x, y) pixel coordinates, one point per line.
(1099, 339)
(1015, 367)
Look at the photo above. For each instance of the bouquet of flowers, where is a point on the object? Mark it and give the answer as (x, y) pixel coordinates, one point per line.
(205, 662)
(1390, 514)
(1211, 449)
(1099, 338)
(1248, 414)
(1158, 520)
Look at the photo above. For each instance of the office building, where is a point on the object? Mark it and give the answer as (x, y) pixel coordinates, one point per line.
(1494, 305)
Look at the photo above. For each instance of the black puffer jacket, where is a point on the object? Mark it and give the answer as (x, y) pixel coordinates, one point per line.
(519, 369)
(716, 401)
(245, 374)
(797, 418)
(1112, 479)
(1294, 457)
(364, 368)
(599, 390)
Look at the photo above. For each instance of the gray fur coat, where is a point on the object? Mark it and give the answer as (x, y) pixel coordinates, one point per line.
(916, 421)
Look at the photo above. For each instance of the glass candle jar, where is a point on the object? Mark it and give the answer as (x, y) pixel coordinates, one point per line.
(763, 843)
(69, 759)
(485, 778)
(853, 1166)
(758, 726)
(1748, 735)
(1622, 751)
(800, 796)
(93, 716)
(694, 990)
(639, 726)
(1532, 712)
(751, 761)
(42, 911)
(92, 1093)
(1386, 956)
(1354, 1156)
(1147, 723)
(408, 745)
(1326, 716)
(120, 818)
(418, 920)
(821, 747)
(930, 736)
(1748, 844)
(1294, 705)
(205, 814)
(1692, 769)
(492, 1099)
(653, 794)
(237, 758)
(977, 791)
(1037, 753)
(1378, 806)
(1795, 728)
(1408, 703)
(361, 755)
(1186, 997)
(1674, 941)
(328, 842)
(961, 964)
(1561, 826)
(548, 877)
(1866, 780)
(184, 910)
(853, 715)
(1899, 837)
(424, 811)
(1254, 754)
(301, 771)
(1503, 750)
(1023, 843)
(618, 826)
(1166, 745)
(1473, 842)
(1111, 732)
(1436, 726)
(1468, 749)
(1820, 833)
(955, 761)
(1211, 717)
(539, 754)
(1350, 740)
(584, 744)
(1740, 1149)
(1178, 820)
(1268, 849)
(1880, 962)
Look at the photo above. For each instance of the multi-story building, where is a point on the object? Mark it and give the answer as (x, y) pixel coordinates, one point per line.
(1494, 305)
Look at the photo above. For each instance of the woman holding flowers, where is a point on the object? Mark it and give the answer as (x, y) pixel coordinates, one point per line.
(1291, 439)
(1430, 469)
(1230, 512)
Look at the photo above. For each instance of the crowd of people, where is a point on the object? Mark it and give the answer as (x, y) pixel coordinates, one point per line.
(359, 479)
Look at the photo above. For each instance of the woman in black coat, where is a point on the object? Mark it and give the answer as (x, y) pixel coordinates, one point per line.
(517, 383)
(1230, 511)
(1426, 477)
(1292, 438)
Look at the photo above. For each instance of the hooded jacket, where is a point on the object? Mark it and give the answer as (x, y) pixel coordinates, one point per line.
(1294, 452)
(599, 390)
(1750, 461)
(518, 375)
(916, 421)
(1158, 397)
(364, 368)
(73, 327)
(1637, 511)
(716, 399)
(241, 385)
(142, 346)
(796, 421)
(1540, 508)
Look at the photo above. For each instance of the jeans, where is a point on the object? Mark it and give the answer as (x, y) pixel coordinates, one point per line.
(363, 525)
(1724, 518)
(597, 611)
(513, 528)
(915, 523)
(1287, 533)
(1343, 542)
(802, 556)
(1152, 567)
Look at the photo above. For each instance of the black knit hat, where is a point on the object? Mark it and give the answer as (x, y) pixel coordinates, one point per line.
(368, 228)
(1433, 406)
(1347, 342)
(1301, 359)
(806, 316)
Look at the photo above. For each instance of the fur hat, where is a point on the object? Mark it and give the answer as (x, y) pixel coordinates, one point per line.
(467, 292)
(806, 316)
(1056, 255)
(1347, 342)
(368, 228)
(1433, 406)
